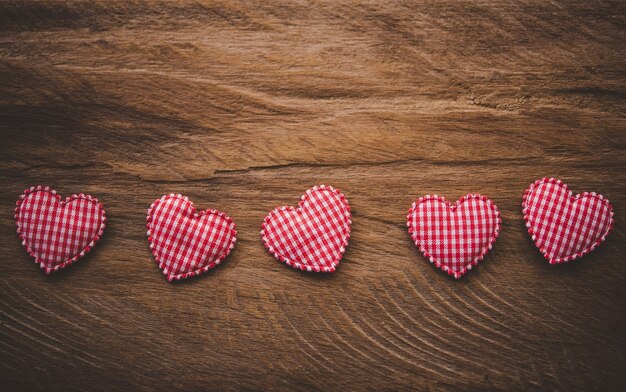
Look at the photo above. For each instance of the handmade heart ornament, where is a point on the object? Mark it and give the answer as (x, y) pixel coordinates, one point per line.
(454, 237)
(565, 227)
(186, 242)
(312, 237)
(58, 232)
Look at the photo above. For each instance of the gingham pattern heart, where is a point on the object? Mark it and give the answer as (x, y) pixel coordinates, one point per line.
(186, 242)
(455, 237)
(312, 237)
(565, 227)
(57, 233)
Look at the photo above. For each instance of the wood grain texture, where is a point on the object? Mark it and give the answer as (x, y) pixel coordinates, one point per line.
(242, 106)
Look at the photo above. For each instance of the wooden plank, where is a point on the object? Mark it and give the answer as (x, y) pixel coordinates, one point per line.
(242, 107)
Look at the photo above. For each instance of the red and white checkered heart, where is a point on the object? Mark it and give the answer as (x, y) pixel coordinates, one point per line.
(186, 242)
(312, 237)
(565, 227)
(455, 237)
(57, 233)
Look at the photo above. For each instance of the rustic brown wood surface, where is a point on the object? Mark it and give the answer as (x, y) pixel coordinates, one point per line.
(242, 106)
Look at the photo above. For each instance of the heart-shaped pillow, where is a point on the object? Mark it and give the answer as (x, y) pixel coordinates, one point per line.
(57, 233)
(312, 237)
(186, 242)
(455, 237)
(565, 227)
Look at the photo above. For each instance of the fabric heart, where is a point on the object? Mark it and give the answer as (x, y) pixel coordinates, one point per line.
(186, 242)
(312, 237)
(57, 233)
(565, 227)
(455, 237)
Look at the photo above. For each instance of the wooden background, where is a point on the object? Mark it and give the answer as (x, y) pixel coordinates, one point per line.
(242, 106)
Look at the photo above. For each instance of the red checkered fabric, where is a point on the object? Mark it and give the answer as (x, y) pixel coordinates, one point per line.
(57, 233)
(186, 242)
(312, 237)
(455, 237)
(565, 227)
